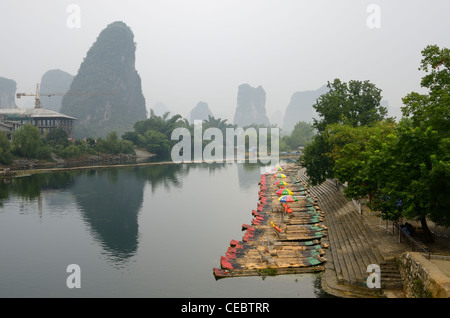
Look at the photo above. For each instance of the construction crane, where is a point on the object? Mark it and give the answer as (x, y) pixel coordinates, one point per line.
(37, 103)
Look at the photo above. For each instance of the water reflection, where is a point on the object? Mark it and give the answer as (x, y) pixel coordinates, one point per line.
(125, 215)
(31, 187)
(109, 199)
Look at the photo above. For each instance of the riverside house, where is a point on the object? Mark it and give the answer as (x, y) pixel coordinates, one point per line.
(12, 119)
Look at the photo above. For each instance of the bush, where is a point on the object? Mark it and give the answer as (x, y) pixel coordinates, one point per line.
(6, 156)
(113, 145)
(57, 136)
(44, 152)
(26, 141)
(71, 151)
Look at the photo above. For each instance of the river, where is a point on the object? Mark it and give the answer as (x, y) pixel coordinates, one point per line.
(151, 231)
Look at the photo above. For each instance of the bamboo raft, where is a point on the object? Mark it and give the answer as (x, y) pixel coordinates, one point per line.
(280, 238)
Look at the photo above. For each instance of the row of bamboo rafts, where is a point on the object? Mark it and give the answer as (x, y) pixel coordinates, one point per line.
(281, 238)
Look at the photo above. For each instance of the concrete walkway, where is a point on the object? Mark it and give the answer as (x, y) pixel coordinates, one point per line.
(354, 245)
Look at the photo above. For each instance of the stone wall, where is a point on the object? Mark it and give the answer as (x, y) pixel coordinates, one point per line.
(422, 278)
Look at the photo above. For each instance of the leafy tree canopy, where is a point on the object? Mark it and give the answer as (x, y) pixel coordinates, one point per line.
(354, 103)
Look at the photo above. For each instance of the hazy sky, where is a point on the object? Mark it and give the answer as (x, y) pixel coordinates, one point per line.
(202, 50)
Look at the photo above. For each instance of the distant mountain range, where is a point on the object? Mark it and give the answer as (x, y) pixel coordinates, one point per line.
(106, 94)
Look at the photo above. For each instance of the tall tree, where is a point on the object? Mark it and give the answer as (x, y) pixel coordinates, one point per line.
(425, 145)
(354, 150)
(354, 104)
(432, 109)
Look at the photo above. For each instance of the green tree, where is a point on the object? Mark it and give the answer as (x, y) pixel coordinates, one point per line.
(354, 104)
(113, 145)
(315, 158)
(432, 109)
(57, 136)
(354, 150)
(416, 183)
(410, 167)
(424, 144)
(300, 136)
(157, 142)
(26, 141)
(5, 150)
(162, 124)
(216, 123)
(154, 133)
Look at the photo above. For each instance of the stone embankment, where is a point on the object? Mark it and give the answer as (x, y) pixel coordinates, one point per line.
(352, 247)
(423, 278)
(357, 241)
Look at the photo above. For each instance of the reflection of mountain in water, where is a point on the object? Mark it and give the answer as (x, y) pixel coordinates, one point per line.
(110, 201)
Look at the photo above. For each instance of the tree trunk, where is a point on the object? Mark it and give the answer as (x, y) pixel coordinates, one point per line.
(427, 236)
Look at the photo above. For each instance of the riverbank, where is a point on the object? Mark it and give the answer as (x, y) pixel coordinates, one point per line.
(358, 239)
(24, 166)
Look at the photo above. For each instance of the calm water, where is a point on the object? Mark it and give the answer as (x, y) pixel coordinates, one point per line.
(154, 231)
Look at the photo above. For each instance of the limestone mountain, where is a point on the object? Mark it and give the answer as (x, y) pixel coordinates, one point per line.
(54, 82)
(160, 109)
(200, 112)
(106, 94)
(7, 93)
(300, 108)
(276, 118)
(251, 106)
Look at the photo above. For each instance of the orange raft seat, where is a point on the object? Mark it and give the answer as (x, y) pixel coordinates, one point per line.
(256, 222)
(254, 213)
(234, 242)
(230, 255)
(225, 263)
(233, 252)
(247, 237)
(247, 227)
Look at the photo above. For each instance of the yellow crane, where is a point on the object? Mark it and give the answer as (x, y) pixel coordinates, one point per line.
(37, 103)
